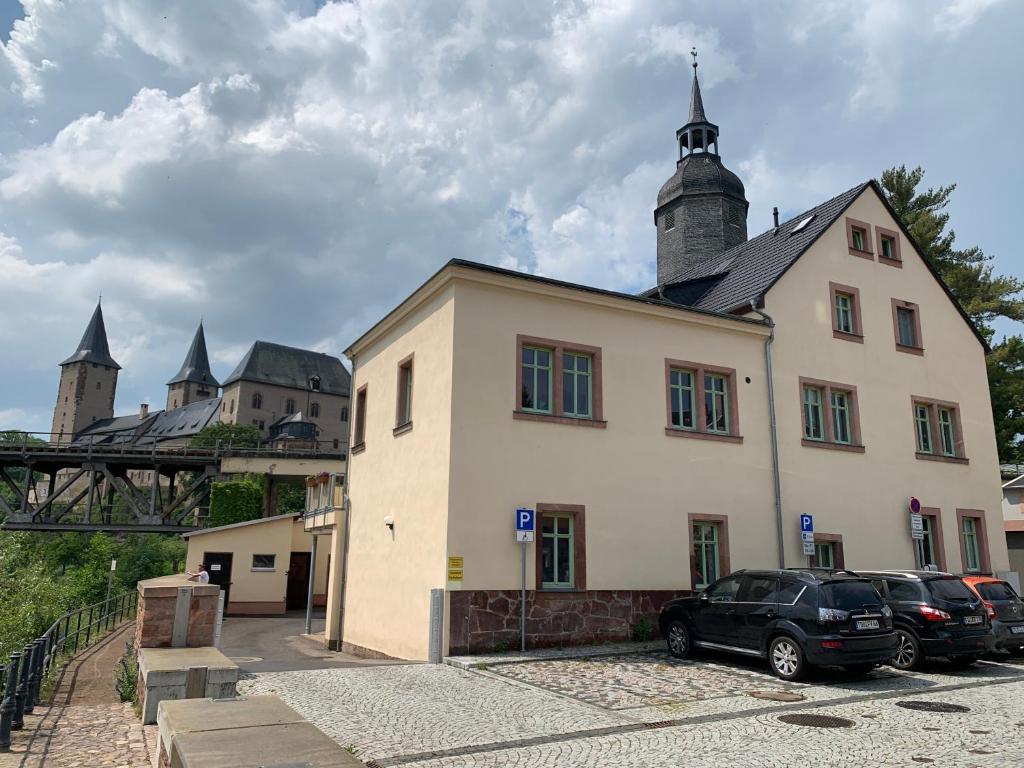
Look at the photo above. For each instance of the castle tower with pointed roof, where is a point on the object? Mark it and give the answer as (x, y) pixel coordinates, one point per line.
(88, 383)
(195, 380)
(702, 208)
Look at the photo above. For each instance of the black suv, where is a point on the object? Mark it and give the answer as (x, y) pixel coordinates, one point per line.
(795, 618)
(934, 614)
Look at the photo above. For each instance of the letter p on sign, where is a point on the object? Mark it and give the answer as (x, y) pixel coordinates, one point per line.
(524, 519)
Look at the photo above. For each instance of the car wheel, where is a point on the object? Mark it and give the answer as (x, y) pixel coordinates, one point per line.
(786, 659)
(908, 651)
(678, 638)
(962, 662)
(859, 669)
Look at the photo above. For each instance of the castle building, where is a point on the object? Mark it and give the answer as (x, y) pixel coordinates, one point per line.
(663, 440)
(195, 381)
(88, 383)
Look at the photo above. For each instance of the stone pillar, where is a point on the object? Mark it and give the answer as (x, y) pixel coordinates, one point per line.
(174, 611)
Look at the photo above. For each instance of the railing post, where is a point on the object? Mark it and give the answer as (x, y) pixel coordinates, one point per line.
(78, 630)
(88, 629)
(7, 706)
(64, 640)
(35, 678)
(22, 703)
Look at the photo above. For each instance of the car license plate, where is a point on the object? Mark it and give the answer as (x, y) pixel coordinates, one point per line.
(867, 624)
(1017, 629)
(972, 619)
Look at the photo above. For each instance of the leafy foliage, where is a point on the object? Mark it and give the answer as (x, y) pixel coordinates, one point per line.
(235, 501)
(126, 675)
(291, 499)
(983, 295)
(236, 435)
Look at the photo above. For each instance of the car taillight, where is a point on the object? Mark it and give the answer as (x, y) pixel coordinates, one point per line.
(933, 614)
(832, 644)
(990, 608)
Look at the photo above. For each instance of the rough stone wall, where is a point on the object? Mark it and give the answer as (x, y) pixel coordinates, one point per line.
(488, 620)
(154, 622)
(84, 402)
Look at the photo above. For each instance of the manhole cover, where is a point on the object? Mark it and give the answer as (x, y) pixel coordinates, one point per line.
(817, 721)
(777, 695)
(932, 706)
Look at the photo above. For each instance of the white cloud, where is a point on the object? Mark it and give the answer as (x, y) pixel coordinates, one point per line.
(958, 15)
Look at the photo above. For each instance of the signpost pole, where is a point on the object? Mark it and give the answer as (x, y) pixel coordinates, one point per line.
(522, 600)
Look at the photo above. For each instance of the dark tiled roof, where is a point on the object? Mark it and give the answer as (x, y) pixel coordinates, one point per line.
(701, 173)
(696, 103)
(196, 367)
(291, 367)
(186, 421)
(93, 347)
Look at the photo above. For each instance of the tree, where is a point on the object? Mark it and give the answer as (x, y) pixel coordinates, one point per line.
(983, 295)
(236, 435)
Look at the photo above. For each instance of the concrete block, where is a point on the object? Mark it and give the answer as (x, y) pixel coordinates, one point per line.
(174, 673)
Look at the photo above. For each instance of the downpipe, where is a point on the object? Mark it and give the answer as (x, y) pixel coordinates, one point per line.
(773, 428)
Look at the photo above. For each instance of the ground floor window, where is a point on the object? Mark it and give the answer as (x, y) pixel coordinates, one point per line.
(926, 544)
(972, 550)
(557, 551)
(825, 554)
(706, 554)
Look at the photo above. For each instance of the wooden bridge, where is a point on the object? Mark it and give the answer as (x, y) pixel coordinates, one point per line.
(73, 486)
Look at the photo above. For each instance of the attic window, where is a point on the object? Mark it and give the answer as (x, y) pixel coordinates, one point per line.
(803, 224)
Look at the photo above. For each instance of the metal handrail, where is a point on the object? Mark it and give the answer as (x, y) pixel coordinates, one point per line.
(22, 679)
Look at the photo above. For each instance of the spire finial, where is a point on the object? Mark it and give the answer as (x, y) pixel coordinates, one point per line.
(693, 52)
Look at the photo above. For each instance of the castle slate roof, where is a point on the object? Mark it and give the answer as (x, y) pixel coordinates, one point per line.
(196, 367)
(268, 363)
(186, 421)
(93, 347)
(742, 274)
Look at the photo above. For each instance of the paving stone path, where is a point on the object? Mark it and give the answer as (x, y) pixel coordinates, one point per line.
(84, 726)
(648, 710)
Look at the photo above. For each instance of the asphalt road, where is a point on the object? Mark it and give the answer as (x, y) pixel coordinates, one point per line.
(277, 644)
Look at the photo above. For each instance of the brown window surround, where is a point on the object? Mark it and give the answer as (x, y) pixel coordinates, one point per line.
(359, 428)
(917, 349)
(858, 329)
(830, 538)
(979, 516)
(558, 348)
(723, 543)
(855, 445)
(889, 234)
(935, 514)
(701, 431)
(404, 390)
(865, 229)
(579, 546)
(933, 419)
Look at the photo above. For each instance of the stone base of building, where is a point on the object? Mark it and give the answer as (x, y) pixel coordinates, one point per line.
(256, 608)
(364, 653)
(488, 620)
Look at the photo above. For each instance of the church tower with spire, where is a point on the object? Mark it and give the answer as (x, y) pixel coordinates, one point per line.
(88, 383)
(195, 381)
(702, 209)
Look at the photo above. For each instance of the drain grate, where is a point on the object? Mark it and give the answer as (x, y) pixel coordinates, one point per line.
(777, 695)
(933, 706)
(658, 724)
(817, 721)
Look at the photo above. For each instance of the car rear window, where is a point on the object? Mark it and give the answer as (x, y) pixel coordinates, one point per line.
(949, 589)
(849, 595)
(995, 590)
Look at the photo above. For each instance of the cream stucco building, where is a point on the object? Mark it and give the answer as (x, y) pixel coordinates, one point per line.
(640, 427)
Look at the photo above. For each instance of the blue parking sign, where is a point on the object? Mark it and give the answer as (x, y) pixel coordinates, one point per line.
(806, 523)
(524, 519)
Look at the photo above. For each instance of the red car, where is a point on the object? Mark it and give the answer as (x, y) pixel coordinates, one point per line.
(1005, 609)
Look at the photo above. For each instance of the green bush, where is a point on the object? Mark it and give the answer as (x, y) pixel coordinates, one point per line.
(223, 434)
(126, 675)
(643, 630)
(236, 501)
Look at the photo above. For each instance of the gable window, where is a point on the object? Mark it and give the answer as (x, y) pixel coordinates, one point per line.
(558, 381)
(289, 406)
(403, 403)
(889, 247)
(906, 318)
(359, 428)
(937, 431)
(561, 548)
(576, 384)
(846, 315)
(839, 427)
(973, 541)
(709, 549)
(701, 401)
(314, 410)
(858, 238)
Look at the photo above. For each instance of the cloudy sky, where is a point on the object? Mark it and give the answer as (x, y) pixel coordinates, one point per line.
(290, 170)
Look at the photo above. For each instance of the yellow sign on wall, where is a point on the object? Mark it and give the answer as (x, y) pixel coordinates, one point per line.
(455, 570)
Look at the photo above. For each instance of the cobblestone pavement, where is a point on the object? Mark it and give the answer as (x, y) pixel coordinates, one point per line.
(84, 725)
(650, 710)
